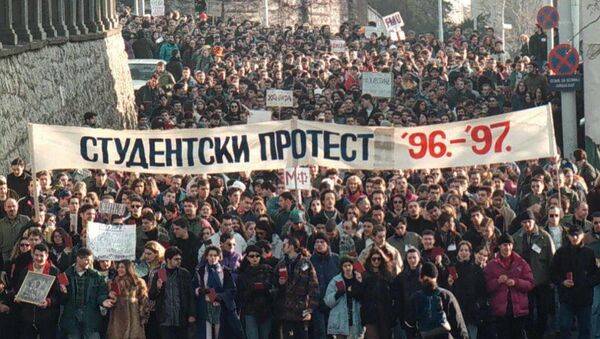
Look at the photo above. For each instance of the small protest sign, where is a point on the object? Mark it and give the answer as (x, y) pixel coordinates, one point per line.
(369, 30)
(35, 288)
(280, 98)
(258, 115)
(338, 46)
(297, 178)
(377, 84)
(393, 22)
(157, 7)
(107, 207)
(111, 242)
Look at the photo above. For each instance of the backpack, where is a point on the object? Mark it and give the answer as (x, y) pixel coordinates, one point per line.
(429, 313)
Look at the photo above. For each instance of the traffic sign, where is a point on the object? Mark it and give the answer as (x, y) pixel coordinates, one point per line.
(563, 59)
(547, 17)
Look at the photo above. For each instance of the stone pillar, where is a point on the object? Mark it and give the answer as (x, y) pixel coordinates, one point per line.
(7, 33)
(98, 15)
(21, 21)
(104, 14)
(112, 13)
(35, 19)
(58, 18)
(80, 16)
(89, 17)
(47, 19)
(71, 17)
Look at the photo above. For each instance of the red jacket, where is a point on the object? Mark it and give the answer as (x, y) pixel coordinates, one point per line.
(518, 270)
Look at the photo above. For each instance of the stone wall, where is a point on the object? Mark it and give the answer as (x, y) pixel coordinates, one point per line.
(56, 84)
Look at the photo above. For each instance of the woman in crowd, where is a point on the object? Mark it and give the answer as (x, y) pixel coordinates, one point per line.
(61, 248)
(215, 298)
(403, 287)
(253, 286)
(153, 257)
(130, 311)
(344, 317)
(467, 283)
(374, 295)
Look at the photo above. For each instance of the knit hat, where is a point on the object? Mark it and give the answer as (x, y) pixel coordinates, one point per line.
(526, 215)
(429, 270)
(505, 238)
(321, 236)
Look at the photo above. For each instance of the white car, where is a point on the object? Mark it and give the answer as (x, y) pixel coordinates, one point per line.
(141, 71)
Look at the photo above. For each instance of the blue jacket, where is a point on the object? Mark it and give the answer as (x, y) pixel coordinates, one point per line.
(327, 266)
(338, 316)
(165, 51)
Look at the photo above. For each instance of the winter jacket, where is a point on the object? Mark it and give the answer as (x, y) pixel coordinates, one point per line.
(301, 290)
(338, 323)
(458, 328)
(518, 270)
(95, 293)
(375, 298)
(402, 288)
(32, 314)
(469, 289)
(253, 292)
(538, 47)
(327, 266)
(404, 243)
(165, 51)
(186, 295)
(390, 251)
(143, 48)
(130, 313)
(540, 253)
(581, 262)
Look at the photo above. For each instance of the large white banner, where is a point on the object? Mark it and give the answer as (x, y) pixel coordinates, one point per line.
(521, 135)
(111, 242)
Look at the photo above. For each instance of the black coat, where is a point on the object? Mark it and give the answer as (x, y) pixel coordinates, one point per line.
(186, 296)
(451, 308)
(403, 287)
(254, 284)
(375, 298)
(30, 313)
(581, 262)
(469, 289)
(143, 48)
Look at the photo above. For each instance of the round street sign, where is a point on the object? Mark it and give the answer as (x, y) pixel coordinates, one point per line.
(563, 59)
(547, 17)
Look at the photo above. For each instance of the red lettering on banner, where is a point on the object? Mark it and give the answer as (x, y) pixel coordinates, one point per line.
(481, 136)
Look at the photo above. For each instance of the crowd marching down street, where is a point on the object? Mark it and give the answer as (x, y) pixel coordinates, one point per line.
(502, 250)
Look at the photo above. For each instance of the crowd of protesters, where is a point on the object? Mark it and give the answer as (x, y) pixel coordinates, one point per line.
(497, 251)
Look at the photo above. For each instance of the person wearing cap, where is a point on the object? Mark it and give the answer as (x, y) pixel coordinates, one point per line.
(508, 281)
(327, 265)
(575, 273)
(424, 303)
(298, 228)
(537, 248)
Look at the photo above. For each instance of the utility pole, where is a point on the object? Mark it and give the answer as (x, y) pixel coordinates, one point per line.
(550, 35)
(266, 9)
(503, 24)
(440, 20)
(568, 105)
(474, 13)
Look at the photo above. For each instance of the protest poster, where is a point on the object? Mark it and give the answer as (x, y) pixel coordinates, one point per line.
(258, 115)
(35, 288)
(338, 46)
(297, 178)
(369, 30)
(111, 242)
(379, 85)
(393, 22)
(516, 136)
(157, 7)
(108, 207)
(280, 98)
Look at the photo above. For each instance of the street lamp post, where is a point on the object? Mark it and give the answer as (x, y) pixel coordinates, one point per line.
(440, 20)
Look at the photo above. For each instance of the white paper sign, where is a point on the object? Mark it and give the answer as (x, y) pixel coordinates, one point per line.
(111, 242)
(370, 30)
(297, 178)
(338, 46)
(379, 85)
(280, 98)
(112, 208)
(157, 7)
(393, 22)
(259, 115)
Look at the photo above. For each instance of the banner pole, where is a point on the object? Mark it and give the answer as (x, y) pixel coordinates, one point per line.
(36, 192)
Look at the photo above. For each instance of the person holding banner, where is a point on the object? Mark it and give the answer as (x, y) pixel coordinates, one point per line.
(39, 319)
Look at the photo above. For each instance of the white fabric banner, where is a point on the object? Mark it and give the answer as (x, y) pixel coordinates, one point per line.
(520, 135)
(111, 242)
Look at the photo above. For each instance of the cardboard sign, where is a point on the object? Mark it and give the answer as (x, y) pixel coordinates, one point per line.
(393, 22)
(280, 98)
(379, 85)
(297, 178)
(338, 46)
(157, 7)
(111, 242)
(107, 207)
(35, 288)
(258, 115)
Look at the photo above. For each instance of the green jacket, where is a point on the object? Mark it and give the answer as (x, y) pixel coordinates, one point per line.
(96, 291)
(10, 231)
(542, 251)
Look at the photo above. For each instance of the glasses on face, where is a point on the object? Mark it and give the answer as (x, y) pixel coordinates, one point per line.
(397, 201)
(553, 215)
(24, 245)
(253, 256)
(375, 258)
